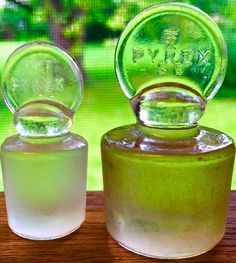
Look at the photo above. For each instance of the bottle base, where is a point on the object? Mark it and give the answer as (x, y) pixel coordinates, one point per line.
(162, 256)
(45, 238)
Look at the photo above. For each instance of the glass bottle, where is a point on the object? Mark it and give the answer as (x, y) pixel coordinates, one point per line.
(167, 179)
(44, 166)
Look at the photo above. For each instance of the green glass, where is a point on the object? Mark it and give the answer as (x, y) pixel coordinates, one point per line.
(44, 166)
(167, 179)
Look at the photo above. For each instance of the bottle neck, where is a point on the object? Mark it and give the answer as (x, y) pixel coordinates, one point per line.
(169, 133)
(43, 140)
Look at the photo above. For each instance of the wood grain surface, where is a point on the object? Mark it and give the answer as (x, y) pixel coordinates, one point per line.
(92, 243)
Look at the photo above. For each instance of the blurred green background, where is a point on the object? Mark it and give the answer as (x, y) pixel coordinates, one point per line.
(89, 31)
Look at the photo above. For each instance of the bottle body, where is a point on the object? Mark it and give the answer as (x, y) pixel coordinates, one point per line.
(45, 185)
(166, 198)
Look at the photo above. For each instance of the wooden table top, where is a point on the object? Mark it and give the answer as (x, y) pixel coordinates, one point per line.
(91, 243)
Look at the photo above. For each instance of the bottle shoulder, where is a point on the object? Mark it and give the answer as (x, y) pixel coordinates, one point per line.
(69, 141)
(131, 138)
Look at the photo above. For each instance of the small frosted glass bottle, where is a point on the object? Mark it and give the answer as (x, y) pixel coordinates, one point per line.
(167, 179)
(44, 166)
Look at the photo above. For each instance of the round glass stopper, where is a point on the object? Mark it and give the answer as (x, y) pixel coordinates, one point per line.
(42, 86)
(170, 59)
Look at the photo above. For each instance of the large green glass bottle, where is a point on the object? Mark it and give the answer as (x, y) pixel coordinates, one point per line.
(167, 179)
(44, 166)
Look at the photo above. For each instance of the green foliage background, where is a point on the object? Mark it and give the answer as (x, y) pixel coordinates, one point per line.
(89, 30)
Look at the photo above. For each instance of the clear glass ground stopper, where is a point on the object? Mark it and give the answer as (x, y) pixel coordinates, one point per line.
(170, 60)
(42, 86)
